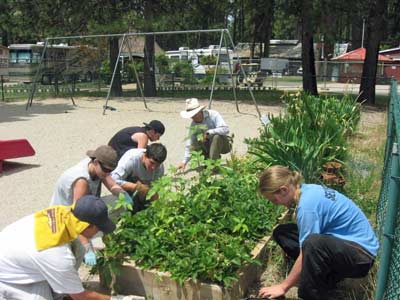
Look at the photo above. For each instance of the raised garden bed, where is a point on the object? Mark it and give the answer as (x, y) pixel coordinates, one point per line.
(156, 285)
(204, 238)
(160, 286)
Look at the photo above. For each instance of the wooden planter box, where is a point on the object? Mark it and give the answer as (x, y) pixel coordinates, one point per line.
(157, 285)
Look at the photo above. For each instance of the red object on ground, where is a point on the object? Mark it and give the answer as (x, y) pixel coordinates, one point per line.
(14, 149)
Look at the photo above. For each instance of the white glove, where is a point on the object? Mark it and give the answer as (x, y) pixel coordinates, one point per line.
(130, 297)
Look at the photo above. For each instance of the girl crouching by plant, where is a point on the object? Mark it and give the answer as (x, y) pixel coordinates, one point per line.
(331, 240)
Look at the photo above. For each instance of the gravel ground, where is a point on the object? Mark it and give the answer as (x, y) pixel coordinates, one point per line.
(61, 134)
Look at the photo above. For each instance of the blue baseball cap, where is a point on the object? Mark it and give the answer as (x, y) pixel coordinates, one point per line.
(93, 210)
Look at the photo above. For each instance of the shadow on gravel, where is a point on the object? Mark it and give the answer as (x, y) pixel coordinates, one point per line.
(12, 112)
(10, 167)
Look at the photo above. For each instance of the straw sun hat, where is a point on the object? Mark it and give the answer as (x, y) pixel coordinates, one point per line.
(192, 108)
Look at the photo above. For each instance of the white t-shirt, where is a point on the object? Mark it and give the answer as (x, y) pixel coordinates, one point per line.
(21, 263)
(63, 192)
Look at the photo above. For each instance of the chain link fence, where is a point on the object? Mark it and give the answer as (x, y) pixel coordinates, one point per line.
(388, 213)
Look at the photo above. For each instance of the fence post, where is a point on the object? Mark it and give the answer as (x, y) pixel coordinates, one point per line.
(389, 224)
(2, 87)
(173, 84)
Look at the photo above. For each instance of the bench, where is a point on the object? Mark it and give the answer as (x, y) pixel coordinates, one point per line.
(14, 149)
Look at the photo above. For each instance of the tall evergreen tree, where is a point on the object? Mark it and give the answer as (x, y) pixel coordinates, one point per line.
(374, 33)
(307, 49)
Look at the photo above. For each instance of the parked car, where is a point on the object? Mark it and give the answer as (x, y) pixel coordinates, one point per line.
(299, 71)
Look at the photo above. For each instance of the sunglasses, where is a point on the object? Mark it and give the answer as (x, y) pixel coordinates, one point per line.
(105, 169)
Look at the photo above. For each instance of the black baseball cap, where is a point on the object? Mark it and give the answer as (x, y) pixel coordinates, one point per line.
(156, 125)
(93, 210)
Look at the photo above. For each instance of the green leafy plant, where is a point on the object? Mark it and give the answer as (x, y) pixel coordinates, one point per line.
(163, 63)
(208, 60)
(312, 132)
(199, 229)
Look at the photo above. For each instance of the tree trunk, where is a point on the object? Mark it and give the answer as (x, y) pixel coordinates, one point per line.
(375, 28)
(254, 32)
(149, 72)
(234, 29)
(307, 49)
(116, 88)
(4, 38)
(148, 59)
(356, 30)
(267, 23)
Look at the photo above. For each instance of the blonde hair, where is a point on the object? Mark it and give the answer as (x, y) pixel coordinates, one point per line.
(276, 176)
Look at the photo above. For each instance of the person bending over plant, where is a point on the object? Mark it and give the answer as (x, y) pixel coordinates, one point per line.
(331, 239)
(208, 132)
(137, 168)
(85, 178)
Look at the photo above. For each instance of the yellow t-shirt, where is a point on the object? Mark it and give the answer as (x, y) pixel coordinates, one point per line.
(55, 226)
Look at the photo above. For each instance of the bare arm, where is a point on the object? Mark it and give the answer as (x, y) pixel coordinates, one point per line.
(110, 184)
(89, 295)
(141, 138)
(282, 288)
(80, 189)
(129, 186)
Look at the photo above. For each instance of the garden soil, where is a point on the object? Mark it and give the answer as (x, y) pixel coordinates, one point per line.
(61, 133)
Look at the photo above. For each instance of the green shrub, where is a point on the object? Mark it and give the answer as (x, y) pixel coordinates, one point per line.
(208, 60)
(130, 69)
(312, 132)
(105, 72)
(182, 68)
(199, 229)
(163, 63)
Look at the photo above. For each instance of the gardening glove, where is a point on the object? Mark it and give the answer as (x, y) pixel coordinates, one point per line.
(142, 188)
(90, 255)
(130, 297)
(125, 196)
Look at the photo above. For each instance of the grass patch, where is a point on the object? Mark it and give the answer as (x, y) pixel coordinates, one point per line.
(365, 165)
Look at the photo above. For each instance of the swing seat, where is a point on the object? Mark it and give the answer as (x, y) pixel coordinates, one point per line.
(14, 149)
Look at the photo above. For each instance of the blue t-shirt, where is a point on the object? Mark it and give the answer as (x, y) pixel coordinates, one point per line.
(322, 210)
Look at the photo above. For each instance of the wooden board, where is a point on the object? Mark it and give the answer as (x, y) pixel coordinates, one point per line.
(159, 286)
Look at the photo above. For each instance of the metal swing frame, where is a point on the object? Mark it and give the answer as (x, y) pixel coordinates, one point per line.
(225, 38)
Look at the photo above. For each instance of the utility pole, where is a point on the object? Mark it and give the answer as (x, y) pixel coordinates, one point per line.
(362, 37)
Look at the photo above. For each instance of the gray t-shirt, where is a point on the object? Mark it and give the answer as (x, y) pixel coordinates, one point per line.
(131, 165)
(63, 192)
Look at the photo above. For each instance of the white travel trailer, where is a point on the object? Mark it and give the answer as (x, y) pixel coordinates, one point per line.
(185, 54)
(194, 55)
(225, 55)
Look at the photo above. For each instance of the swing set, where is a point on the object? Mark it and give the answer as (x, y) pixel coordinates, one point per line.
(225, 42)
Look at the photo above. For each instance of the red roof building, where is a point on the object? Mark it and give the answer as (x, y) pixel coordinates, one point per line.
(359, 55)
(351, 65)
(393, 53)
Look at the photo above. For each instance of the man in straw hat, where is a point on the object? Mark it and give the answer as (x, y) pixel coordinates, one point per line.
(136, 137)
(85, 178)
(215, 140)
(36, 261)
